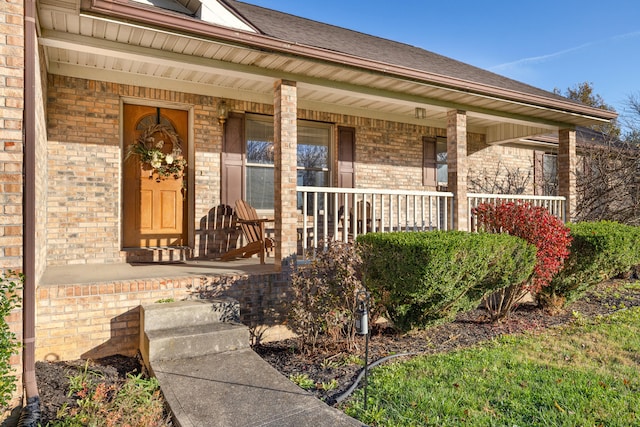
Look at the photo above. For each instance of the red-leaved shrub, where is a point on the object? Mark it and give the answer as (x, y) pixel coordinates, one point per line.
(535, 225)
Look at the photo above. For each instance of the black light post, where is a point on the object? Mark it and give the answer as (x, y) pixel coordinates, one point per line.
(362, 328)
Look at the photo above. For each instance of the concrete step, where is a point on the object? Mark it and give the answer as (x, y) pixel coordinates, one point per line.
(188, 313)
(170, 331)
(194, 341)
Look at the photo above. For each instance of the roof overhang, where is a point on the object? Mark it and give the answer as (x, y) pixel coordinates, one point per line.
(131, 43)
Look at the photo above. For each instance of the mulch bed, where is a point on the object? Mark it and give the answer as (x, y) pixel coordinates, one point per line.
(53, 379)
(323, 364)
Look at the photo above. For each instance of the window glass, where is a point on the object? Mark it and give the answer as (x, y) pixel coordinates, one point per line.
(309, 178)
(550, 174)
(441, 161)
(259, 136)
(260, 187)
(313, 147)
(313, 159)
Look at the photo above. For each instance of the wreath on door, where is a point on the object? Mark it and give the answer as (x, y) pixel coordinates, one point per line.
(159, 150)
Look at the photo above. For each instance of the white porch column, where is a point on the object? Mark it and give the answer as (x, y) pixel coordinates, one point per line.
(567, 170)
(457, 167)
(285, 151)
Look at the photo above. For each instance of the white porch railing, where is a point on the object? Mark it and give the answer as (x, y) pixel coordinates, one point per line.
(555, 204)
(328, 213)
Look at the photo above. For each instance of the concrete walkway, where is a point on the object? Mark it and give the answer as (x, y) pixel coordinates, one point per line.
(239, 389)
(211, 377)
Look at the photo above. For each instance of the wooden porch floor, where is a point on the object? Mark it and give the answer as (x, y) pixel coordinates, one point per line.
(106, 273)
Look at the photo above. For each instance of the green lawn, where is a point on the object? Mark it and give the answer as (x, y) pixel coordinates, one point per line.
(587, 374)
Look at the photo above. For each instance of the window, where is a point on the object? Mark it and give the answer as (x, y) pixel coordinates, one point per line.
(259, 170)
(312, 153)
(550, 174)
(434, 162)
(441, 162)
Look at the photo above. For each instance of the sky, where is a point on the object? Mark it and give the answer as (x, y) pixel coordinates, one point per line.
(545, 43)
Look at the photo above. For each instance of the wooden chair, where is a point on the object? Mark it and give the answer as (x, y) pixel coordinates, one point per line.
(253, 229)
(364, 217)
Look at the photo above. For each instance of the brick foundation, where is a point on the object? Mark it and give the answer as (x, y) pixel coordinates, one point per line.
(102, 319)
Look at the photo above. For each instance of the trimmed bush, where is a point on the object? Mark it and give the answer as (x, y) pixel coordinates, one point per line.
(426, 278)
(599, 251)
(538, 227)
(535, 225)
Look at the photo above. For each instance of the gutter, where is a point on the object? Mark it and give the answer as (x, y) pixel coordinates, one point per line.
(31, 412)
(186, 25)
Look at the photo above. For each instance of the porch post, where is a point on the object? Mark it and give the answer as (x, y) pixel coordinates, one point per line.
(457, 167)
(567, 170)
(285, 161)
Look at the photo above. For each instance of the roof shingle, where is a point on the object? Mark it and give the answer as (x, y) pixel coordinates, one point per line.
(295, 29)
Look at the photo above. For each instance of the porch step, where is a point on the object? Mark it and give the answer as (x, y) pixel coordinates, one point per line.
(195, 341)
(189, 313)
(192, 328)
(160, 254)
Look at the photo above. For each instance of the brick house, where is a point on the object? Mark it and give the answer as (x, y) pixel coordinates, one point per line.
(302, 119)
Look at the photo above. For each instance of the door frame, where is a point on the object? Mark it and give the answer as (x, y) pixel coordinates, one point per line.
(190, 205)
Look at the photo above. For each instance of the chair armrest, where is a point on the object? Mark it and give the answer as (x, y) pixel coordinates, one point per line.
(255, 221)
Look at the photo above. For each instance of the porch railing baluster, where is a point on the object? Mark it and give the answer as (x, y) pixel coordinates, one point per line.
(315, 220)
(347, 212)
(554, 204)
(304, 222)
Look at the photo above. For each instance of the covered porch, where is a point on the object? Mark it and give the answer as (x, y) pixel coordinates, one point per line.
(397, 127)
(375, 193)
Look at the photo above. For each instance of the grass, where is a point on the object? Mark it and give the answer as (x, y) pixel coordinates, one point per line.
(582, 375)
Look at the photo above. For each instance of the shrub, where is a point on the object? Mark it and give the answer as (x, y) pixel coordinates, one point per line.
(599, 251)
(538, 227)
(535, 225)
(10, 284)
(325, 293)
(426, 278)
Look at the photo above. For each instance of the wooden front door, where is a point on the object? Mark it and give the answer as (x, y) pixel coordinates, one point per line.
(154, 205)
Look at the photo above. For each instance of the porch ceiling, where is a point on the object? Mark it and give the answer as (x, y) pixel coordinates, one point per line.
(103, 48)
